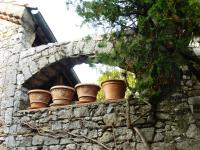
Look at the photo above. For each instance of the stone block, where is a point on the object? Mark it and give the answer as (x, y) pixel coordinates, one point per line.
(10, 141)
(192, 131)
(81, 112)
(38, 140)
(123, 133)
(71, 147)
(107, 137)
(148, 133)
(158, 137)
(55, 147)
(50, 141)
(65, 141)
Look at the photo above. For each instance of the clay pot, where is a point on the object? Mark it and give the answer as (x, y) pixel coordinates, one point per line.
(62, 94)
(39, 98)
(38, 105)
(87, 92)
(114, 89)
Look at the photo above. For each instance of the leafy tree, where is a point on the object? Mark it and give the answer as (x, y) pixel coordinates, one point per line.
(116, 74)
(151, 38)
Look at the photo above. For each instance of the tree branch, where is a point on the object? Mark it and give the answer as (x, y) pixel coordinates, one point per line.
(60, 134)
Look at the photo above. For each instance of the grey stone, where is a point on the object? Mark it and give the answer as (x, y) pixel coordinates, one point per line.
(56, 147)
(42, 62)
(33, 67)
(192, 131)
(71, 147)
(93, 134)
(8, 116)
(51, 141)
(161, 146)
(20, 79)
(158, 137)
(86, 146)
(148, 133)
(160, 124)
(123, 133)
(189, 83)
(140, 146)
(38, 140)
(112, 119)
(129, 146)
(107, 137)
(27, 53)
(81, 112)
(10, 141)
(57, 126)
(65, 113)
(163, 116)
(75, 125)
(101, 110)
(65, 141)
(21, 148)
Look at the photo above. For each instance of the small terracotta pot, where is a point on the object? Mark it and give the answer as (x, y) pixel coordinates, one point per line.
(87, 91)
(38, 105)
(85, 101)
(61, 102)
(62, 94)
(42, 97)
(114, 89)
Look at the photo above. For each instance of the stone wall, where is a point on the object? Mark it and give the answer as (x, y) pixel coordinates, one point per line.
(171, 126)
(168, 126)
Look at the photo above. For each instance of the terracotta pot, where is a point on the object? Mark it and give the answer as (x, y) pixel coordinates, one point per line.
(55, 105)
(62, 94)
(87, 91)
(85, 101)
(42, 97)
(38, 105)
(61, 102)
(114, 89)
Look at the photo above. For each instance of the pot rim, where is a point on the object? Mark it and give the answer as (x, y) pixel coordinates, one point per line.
(113, 80)
(38, 90)
(62, 86)
(92, 84)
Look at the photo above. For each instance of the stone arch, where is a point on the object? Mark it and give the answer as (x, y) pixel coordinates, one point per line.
(39, 65)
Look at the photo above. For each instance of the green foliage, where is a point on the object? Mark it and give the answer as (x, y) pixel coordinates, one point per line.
(116, 74)
(151, 38)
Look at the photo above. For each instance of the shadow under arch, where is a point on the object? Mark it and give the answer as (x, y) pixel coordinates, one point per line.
(58, 73)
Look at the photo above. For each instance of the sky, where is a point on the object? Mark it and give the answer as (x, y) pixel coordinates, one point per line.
(65, 24)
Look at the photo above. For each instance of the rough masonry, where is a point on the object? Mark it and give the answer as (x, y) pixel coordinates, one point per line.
(174, 124)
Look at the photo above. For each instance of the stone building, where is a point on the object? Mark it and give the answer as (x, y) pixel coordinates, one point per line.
(31, 58)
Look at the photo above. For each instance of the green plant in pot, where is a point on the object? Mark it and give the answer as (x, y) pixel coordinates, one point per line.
(114, 86)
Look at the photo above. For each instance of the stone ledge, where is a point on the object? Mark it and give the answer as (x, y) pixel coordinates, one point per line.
(72, 105)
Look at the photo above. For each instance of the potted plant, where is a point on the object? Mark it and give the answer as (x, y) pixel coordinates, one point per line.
(87, 92)
(39, 98)
(113, 85)
(114, 89)
(62, 95)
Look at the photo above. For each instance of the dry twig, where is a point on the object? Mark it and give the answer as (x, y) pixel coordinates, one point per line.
(60, 134)
(142, 138)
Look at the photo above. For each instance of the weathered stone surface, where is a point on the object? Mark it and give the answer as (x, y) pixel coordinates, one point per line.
(192, 131)
(148, 133)
(158, 137)
(50, 141)
(38, 140)
(71, 147)
(105, 122)
(81, 112)
(107, 137)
